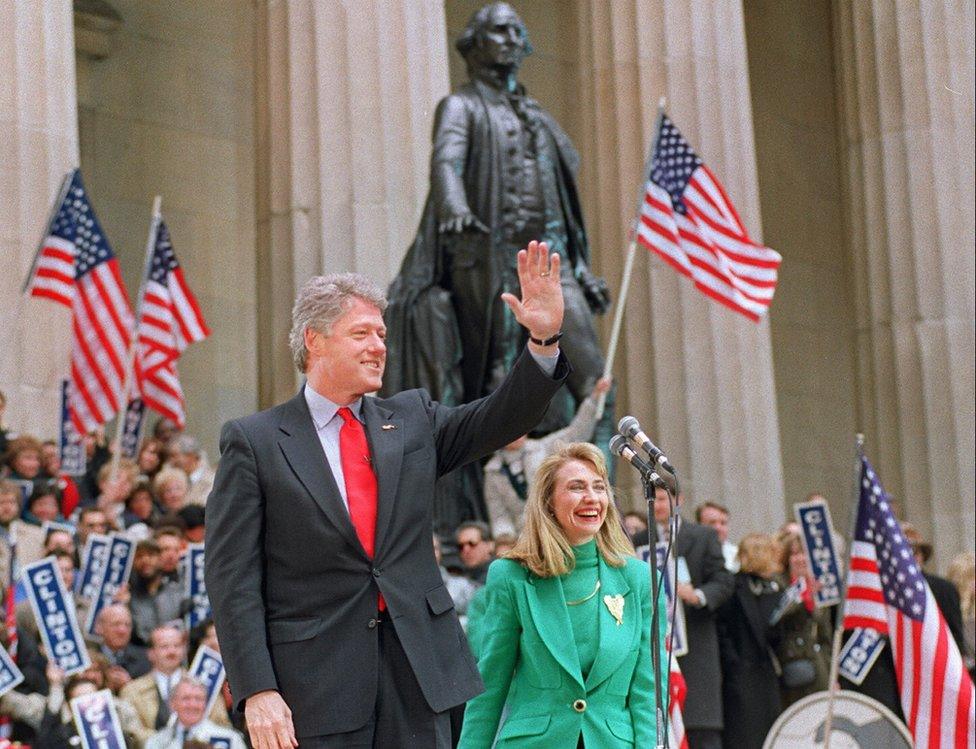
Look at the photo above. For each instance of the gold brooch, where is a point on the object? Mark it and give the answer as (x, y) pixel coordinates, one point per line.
(615, 605)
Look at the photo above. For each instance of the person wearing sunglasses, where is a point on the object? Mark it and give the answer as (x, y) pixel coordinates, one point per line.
(476, 548)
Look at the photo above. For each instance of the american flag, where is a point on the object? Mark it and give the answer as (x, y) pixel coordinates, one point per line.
(887, 592)
(689, 221)
(169, 321)
(77, 268)
(677, 692)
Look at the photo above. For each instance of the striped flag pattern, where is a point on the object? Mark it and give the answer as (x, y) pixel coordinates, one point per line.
(169, 321)
(687, 219)
(77, 268)
(887, 592)
(677, 692)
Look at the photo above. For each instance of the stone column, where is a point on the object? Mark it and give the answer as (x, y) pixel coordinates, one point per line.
(699, 376)
(345, 98)
(906, 94)
(38, 146)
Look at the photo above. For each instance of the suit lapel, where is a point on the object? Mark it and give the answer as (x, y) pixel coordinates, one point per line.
(386, 449)
(616, 641)
(547, 604)
(303, 451)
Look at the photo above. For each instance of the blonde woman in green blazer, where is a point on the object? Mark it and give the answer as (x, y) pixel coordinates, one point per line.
(563, 633)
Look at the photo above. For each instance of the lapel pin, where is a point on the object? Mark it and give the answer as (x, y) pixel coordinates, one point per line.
(388, 427)
(615, 604)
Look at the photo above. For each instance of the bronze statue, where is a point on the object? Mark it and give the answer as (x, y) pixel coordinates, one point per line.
(502, 174)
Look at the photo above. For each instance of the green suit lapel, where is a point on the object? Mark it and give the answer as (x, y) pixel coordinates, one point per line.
(547, 605)
(616, 641)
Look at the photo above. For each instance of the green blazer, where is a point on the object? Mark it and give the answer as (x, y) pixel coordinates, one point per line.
(528, 660)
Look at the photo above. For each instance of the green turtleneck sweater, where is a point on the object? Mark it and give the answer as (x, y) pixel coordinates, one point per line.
(578, 584)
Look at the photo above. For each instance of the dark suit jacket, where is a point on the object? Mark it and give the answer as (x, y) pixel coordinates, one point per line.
(700, 547)
(134, 660)
(750, 685)
(292, 590)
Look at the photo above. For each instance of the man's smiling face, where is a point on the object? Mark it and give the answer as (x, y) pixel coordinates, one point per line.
(348, 362)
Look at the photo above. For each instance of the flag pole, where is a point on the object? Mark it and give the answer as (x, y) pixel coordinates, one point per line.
(134, 338)
(839, 627)
(618, 314)
(65, 185)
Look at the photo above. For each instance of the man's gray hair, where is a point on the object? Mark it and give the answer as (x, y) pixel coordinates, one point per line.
(322, 301)
(185, 444)
(188, 681)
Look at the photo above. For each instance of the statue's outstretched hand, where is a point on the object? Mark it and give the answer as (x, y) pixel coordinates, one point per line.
(540, 309)
(455, 223)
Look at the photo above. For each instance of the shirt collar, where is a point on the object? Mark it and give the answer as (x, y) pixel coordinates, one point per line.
(323, 410)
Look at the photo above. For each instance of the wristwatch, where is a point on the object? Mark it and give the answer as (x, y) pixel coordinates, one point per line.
(548, 341)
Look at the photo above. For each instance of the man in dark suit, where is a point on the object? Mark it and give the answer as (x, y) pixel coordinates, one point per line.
(333, 619)
(709, 585)
(128, 661)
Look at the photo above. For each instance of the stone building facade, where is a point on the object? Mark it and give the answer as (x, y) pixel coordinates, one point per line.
(291, 137)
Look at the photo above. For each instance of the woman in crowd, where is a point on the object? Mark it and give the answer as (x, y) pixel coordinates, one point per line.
(114, 488)
(804, 632)
(67, 488)
(564, 641)
(23, 461)
(140, 507)
(170, 487)
(962, 573)
(750, 686)
(150, 458)
(43, 506)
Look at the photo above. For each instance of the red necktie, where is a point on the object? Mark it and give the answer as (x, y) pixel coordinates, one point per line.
(357, 472)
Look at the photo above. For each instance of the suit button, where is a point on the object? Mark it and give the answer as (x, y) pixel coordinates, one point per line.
(376, 571)
(372, 623)
(579, 705)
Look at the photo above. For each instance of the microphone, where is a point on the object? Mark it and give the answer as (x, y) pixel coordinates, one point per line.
(618, 444)
(630, 427)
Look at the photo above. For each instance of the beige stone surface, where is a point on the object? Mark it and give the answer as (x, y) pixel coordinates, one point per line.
(812, 320)
(38, 146)
(345, 100)
(170, 112)
(906, 83)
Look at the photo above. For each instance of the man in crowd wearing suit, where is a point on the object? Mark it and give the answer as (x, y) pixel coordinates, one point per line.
(709, 585)
(127, 661)
(150, 694)
(188, 704)
(335, 625)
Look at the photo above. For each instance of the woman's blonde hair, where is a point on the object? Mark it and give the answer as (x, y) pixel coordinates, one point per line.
(165, 476)
(759, 554)
(961, 571)
(542, 547)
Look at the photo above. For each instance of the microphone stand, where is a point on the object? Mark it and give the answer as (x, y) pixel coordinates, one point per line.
(660, 684)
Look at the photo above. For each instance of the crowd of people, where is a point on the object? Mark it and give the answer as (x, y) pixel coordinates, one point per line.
(139, 647)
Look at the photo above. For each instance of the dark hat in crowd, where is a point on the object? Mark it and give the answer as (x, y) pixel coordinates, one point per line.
(193, 516)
